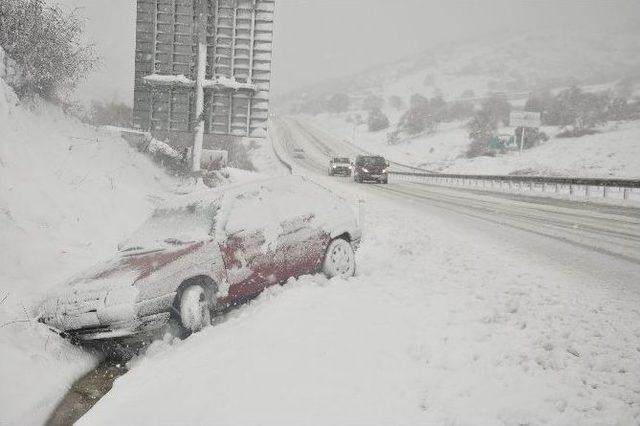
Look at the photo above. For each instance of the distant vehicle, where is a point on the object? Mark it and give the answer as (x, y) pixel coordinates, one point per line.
(369, 168)
(198, 256)
(298, 153)
(340, 166)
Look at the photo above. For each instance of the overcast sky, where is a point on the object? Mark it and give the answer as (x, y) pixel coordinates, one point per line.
(319, 39)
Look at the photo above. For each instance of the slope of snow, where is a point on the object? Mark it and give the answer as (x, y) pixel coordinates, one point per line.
(615, 152)
(68, 194)
(513, 64)
(444, 324)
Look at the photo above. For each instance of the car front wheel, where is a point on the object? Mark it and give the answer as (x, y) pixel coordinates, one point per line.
(195, 313)
(339, 260)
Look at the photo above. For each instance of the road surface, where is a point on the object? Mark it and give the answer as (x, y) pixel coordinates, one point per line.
(601, 240)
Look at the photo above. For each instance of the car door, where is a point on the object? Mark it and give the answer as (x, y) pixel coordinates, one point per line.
(301, 247)
(249, 262)
(248, 248)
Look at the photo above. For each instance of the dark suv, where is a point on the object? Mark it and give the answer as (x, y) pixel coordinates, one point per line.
(340, 166)
(371, 168)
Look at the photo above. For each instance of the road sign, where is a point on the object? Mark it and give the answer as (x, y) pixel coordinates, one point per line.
(525, 119)
(203, 66)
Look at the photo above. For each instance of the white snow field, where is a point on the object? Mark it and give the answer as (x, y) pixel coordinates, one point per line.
(450, 320)
(68, 194)
(615, 152)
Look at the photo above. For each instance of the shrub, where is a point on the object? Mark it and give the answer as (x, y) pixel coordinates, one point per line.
(110, 113)
(372, 102)
(338, 103)
(46, 44)
(422, 115)
(481, 129)
(377, 120)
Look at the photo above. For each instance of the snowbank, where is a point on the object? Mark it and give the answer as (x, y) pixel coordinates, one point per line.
(445, 324)
(68, 194)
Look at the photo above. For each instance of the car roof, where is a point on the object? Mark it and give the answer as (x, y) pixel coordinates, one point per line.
(215, 194)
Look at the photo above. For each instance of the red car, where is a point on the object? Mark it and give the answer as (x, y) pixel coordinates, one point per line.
(199, 255)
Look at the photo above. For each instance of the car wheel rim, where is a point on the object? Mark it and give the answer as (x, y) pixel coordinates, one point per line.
(195, 313)
(342, 260)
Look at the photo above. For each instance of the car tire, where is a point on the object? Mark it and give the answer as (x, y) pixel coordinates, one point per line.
(339, 259)
(195, 310)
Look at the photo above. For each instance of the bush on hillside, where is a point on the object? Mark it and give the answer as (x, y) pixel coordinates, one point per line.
(111, 114)
(45, 42)
(578, 112)
(481, 128)
(338, 103)
(372, 102)
(377, 120)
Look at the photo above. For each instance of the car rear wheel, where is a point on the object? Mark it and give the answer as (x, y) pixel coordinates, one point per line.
(195, 312)
(339, 260)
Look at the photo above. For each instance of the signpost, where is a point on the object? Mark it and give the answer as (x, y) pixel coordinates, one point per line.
(203, 71)
(526, 120)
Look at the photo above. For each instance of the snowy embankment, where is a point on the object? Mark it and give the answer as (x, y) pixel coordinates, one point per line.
(615, 152)
(68, 194)
(444, 324)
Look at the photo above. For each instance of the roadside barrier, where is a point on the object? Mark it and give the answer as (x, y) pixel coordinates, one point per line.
(585, 188)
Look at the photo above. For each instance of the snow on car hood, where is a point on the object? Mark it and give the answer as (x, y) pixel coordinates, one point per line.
(134, 265)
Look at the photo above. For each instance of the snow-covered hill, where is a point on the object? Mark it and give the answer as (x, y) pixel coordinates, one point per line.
(68, 194)
(615, 152)
(510, 64)
(515, 66)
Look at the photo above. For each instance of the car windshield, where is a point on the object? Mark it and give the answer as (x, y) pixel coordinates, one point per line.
(341, 160)
(372, 161)
(173, 226)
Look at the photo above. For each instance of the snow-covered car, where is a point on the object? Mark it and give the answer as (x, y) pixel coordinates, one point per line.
(298, 153)
(200, 254)
(371, 168)
(340, 166)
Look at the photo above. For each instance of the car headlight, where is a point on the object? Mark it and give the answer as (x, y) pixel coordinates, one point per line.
(364, 169)
(385, 171)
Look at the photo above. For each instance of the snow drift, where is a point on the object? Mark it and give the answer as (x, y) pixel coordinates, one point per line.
(68, 194)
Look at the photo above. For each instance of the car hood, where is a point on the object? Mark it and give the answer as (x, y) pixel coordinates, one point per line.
(134, 265)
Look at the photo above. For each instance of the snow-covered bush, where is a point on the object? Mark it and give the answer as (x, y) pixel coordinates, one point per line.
(338, 103)
(481, 129)
(110, 113)
(377, 120)
(372, 102)
(46, 44)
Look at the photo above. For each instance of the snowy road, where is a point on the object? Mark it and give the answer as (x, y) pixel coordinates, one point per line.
(455, 317)
(612, 232)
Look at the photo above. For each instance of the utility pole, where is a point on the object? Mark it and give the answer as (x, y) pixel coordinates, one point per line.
(201, 28)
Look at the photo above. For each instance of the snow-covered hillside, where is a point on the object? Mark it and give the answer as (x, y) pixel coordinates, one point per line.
(68, 194)
(511, 64)
(615, 152)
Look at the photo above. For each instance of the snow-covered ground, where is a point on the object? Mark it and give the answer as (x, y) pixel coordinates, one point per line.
(445, 323)
(68, 194)
(615, 152)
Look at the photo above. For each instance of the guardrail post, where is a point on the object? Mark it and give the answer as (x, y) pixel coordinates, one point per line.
(605, 192)
(625, 194)
(571, 189)
(557, 188)
(586, 191)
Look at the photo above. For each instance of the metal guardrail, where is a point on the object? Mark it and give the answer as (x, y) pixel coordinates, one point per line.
(535, 185)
